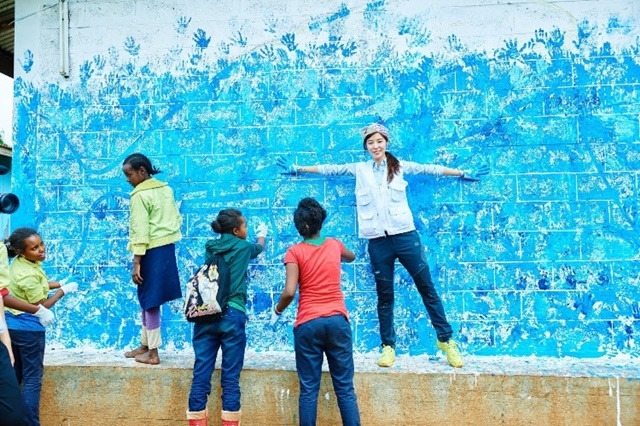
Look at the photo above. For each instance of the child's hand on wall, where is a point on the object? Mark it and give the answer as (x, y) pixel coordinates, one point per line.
(261, 230)
(69, 288)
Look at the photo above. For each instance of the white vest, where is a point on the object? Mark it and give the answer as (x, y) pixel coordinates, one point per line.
(381, 208)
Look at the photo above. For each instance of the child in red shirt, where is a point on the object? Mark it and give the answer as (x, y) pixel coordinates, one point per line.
(322, 323)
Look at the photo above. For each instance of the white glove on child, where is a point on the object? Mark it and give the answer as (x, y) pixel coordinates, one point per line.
(274, 317)
(45, 316)
(69, 288)
(261, 230)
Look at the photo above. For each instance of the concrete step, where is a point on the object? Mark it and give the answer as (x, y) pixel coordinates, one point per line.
(92, 387)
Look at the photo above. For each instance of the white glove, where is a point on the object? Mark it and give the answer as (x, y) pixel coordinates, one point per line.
(45, 316)
(261, 230)
(69, 288)
(274, 317)
(64, 281)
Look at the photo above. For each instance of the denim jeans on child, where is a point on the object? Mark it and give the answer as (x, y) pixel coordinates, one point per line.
(228, 334)
(330, 336)
(407, 248)
(28, 351)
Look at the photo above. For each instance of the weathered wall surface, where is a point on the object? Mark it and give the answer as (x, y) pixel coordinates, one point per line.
(540, 258)
(271, 398)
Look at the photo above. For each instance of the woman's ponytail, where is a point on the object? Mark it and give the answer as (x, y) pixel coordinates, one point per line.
(393, 166)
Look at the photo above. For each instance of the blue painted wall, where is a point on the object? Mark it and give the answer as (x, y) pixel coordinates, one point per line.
(541, 258)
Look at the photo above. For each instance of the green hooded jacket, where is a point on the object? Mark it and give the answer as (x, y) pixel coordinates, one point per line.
(237, 253)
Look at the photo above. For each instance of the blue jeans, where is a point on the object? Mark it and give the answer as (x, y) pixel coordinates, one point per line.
(28, 351)
(228, 334)
(330, 336)
(407, 248)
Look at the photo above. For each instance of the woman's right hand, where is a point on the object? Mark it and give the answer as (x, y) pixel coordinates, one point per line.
(475, 175)
(135, 274)
(287, 165)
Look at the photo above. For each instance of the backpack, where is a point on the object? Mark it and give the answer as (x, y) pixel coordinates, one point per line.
(208, 291)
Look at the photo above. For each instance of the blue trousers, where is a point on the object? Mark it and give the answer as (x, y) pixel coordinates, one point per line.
(407, 248)
(330, 336)
(228, 334)
(28, 351)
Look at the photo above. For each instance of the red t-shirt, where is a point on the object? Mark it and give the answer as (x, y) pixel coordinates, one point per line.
(319, 280)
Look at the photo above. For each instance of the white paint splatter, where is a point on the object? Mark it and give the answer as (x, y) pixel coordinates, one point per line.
(618, 399)
(621, 365)
(610, 388)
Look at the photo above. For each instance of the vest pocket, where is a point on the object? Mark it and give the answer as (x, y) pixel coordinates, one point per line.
(366, 211)
(398, 190)
(399, 210)
(366, 207)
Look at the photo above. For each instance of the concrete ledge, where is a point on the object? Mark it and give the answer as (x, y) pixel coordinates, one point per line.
(102, 388)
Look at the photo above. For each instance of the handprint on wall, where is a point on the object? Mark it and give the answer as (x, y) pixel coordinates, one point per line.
(289, 40)
(201, 39)
(131, 46)
(27, 62)
(181, 24)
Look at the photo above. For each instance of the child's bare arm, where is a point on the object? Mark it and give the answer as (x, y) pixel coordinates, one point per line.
(291, 284)
(347, 255)
(15, 303)
(49, 302)
(54, 284)
(4, 332)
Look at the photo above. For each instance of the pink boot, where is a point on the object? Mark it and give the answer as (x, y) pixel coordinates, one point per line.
(197, 418)
(230, 418)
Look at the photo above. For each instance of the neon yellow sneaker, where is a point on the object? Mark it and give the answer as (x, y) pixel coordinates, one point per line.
(388, 356)
(450, 347)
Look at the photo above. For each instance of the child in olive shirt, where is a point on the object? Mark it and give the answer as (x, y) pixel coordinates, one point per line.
(30, 284)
